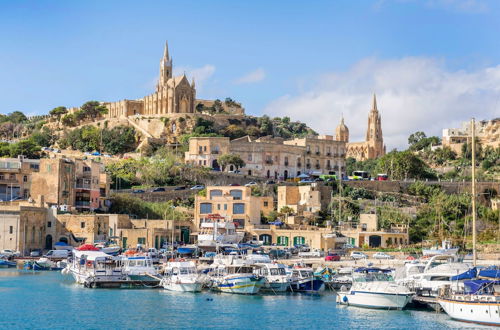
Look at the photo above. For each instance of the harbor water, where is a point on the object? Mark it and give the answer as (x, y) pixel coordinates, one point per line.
(51, 300)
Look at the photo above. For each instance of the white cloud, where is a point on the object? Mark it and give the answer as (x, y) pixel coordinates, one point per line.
(201, 75)
(413, 93)
(252, 77)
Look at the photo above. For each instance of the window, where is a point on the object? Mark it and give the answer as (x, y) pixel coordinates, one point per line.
(87, 169)
(205, 208)
(25, 178)
(238, 208)
(82, 224)
(204, 148)
(49, 224)
(205, 162)
(214, 193)
(218, 207)
(200, 149)
(141, 240)
(249, 157)
(237, 194)
(266, 203)
(11, 229)
(225, 207)
(12, 176)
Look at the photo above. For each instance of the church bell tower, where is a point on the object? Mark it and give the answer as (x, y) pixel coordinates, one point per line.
(374, 132)
(165, 69)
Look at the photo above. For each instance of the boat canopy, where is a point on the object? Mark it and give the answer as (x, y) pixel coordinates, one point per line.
(92, 255)
(480, 286)
(470, 274)
(371, 270)
(491, 272)
(88, 247)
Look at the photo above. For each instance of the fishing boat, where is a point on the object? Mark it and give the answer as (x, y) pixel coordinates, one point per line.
(215, 231)
(303, 280)
(6, 263)
(41, 264)
(233, 274)
(375, 288)
(181, 276)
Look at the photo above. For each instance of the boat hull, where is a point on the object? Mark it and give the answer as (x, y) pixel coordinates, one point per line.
(307, 285)
(377, 300)
(7, 264)
(484, 313)
(241, 285)
(183, 287)
(276, 286)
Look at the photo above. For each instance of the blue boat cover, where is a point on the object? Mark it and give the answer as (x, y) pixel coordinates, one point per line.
(491, 272)
(61, 244)
(371, 270)
(475, 286)
(470, 274)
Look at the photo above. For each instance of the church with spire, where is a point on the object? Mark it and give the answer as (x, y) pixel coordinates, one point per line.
(373, 146)
(172, 95)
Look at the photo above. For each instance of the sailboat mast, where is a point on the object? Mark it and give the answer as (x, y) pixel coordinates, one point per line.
(473, 183)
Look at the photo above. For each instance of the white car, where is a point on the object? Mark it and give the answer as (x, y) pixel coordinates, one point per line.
(11, 253)
(251, 184)
(356, 255)
(197, 187)
(382, 255)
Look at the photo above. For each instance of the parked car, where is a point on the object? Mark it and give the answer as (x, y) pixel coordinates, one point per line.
(235, 172)
(382, 255)
(270, 182)
(234, 185)
(306, 181)
(158, 189)
(332, 257)
(311, 254)
(319, 180)
(251, 184)
(356, 255)
(197, 187)
(138, 191)
(11, 253)
(179, 188)
(36, 253)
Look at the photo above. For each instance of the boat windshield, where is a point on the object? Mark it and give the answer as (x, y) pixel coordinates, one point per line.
(306, 273)
(277, 271)
(373, 277)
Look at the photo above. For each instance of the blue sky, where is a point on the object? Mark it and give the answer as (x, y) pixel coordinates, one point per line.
(432, 63)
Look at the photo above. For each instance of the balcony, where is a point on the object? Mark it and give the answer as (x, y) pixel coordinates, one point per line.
(318, 153)
(200, 152)
(308, 166)
(269, 162)
(308, 152)
(328, 167)
(215, 152)
(8, 180)
(82, 203)
(299, 165)
(83, 186)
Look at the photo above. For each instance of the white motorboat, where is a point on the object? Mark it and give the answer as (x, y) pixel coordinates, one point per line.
(276, 278)
(140, 270)
(373, 288)
(95, 269)
(181, 276)
(478, 303)
(437, 272)
(445, 249)
(302, 279)
(216, 231)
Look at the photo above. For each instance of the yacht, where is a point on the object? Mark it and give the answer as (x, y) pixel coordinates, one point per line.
(479, 302)
(216, 231)
(181, 276)
(276, 278)
(375, 288)
(439, 270)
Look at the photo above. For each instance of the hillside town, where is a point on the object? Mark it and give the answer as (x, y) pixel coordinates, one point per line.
(190, 194)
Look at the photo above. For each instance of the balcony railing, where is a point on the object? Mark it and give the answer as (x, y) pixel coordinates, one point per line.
(83, 186)
(8, 180)
(82, 203)
(308, 152)
(215, 152)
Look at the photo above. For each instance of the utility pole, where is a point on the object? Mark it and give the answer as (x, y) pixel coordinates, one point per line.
(473, 183)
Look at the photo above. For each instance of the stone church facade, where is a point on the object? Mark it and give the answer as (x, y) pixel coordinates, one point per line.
(172, 95)
(373, 146)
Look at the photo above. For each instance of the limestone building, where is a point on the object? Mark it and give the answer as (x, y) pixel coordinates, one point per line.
(373, 146)
(273, 157)
(486, 131)
(172, 95)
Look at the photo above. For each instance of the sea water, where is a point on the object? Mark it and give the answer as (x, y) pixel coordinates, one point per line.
(51, 300)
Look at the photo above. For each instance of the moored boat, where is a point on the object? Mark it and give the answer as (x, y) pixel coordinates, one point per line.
(181, 276)
(303, 280)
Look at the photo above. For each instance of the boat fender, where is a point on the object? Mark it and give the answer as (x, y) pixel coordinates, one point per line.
(89, 263)
(345, 299)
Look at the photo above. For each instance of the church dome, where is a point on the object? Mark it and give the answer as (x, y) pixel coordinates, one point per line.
(342, 132)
